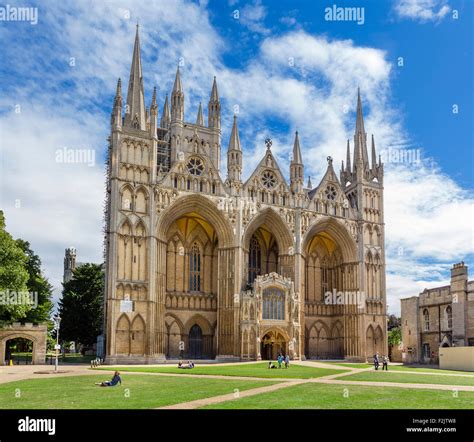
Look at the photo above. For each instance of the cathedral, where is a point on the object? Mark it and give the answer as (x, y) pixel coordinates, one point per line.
(205, 266)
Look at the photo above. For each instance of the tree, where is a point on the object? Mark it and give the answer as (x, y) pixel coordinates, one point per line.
(393, 321)
(81, 305)
(395, 336)
(37, 284)
(13, 277)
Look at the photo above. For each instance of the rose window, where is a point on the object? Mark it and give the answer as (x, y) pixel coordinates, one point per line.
(330, 193)
(268, 179)
(195, 166)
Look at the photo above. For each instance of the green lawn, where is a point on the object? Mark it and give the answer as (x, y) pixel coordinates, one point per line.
(254, 370)
(382, 376)
(400, 368)
(323, 396)
(144, 391)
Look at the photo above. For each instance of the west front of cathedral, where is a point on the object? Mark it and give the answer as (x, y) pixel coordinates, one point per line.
(200, 266)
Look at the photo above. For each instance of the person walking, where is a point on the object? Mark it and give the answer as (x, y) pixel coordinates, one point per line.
(385, 363)
(287, 361)
(280, 360)
(376, 361)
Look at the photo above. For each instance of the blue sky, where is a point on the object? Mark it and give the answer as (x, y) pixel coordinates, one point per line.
(59, 77)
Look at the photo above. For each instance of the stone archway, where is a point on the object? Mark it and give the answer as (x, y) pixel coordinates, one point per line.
(35, 333)
(273, 342)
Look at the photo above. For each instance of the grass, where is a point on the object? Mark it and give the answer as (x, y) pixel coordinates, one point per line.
(144, 392)
(253, 370)
(323, 396)
(399, 368)
(409, 378)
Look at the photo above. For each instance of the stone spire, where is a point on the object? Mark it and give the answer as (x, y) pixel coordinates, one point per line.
(135, 115)
(360, 137)
(374, 156)
(153, 114)
(200, 119)
(214, 108)
(166, 116)
(116, 117)
(177, 99)
(309, 185)
(234, 154)
(296, 167)
(348, 158)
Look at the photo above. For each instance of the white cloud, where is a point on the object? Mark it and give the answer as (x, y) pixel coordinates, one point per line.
(252, 16)
(422, 10)
(295, 81)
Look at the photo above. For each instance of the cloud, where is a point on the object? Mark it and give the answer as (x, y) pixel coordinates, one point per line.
(422, 10)
(293, 81)
(252, 16)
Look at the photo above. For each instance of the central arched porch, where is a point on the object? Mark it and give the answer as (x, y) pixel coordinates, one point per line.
(272, 343)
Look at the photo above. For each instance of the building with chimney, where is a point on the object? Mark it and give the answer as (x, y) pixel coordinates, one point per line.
(201, 265)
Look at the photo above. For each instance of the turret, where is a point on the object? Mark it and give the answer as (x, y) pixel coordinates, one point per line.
(200, 119)
(166, 116)
(234, 154)
(296, 167)
(116, 117)
(153, 114)
(214, 108)
(177, 99)
(135, 114)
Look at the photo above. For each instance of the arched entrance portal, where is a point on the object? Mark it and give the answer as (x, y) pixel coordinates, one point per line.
(195, 342)
(272, 343)
(19, 351)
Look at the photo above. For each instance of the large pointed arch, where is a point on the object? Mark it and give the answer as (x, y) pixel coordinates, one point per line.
(280, 230)
(338, 232)
(208, 210)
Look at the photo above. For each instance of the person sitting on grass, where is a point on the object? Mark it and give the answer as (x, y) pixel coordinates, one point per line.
(190, 364)
(271, 365)
(115, 380)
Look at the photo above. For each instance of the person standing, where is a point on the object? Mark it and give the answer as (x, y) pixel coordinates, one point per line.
(385, 363)
(280, 359)
(287, 361)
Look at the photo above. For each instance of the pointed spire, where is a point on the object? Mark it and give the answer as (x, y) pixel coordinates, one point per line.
(177, 99)
(200, 119)
(374, 156)
(118, 92)
(153, 100)
(360, 115)
(135, 111)
(297, 159)
(234, 143)
(177, 87)
(309, 185)
(214, 108)
(214, 93)
(165, 117)
(348, 158)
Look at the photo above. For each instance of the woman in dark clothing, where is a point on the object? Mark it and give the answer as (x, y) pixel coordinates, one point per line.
(115, 380)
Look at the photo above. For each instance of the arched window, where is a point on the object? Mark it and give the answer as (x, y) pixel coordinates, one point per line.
(255, 259)
(273, 304)
(449, 316)
(426, 319)
(195, 269)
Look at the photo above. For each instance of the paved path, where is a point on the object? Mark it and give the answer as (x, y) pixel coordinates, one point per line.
(232, 396)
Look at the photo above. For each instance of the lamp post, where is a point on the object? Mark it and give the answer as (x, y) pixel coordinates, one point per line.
(57, 323)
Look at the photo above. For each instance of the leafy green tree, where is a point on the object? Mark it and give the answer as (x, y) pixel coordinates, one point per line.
(395, 336)
(38, 284)
(13, 275)
(81, 305)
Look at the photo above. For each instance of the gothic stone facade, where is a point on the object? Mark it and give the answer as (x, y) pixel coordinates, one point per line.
(199, 266)
(438, 317)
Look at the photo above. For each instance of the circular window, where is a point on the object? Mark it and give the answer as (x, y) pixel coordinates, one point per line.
(195, 166)
(330, 192)
(268, 179)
